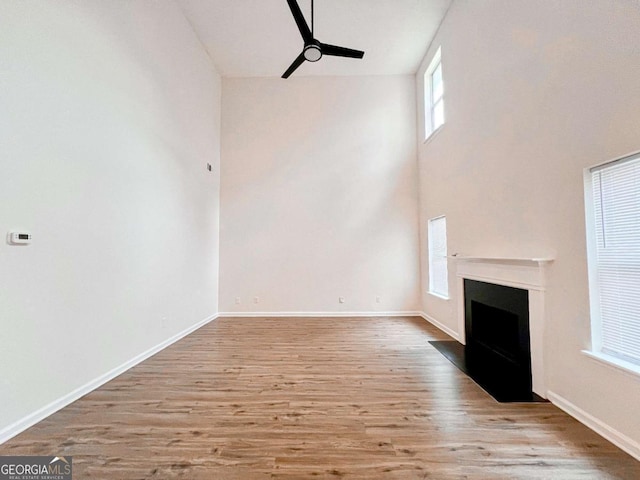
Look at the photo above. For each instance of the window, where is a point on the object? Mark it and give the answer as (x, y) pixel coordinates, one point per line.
(613, 239)
(438, 273)
(433, 96)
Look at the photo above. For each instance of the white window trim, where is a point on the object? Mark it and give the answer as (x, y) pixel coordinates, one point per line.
(595, 351)
(429, 131)
(438, 295)
(429, 250)
(433, 135)
(628, 368)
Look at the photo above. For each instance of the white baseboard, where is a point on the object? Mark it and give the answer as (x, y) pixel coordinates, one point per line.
(319, 314)
(39, 415)
(442, 327)
(617, 438)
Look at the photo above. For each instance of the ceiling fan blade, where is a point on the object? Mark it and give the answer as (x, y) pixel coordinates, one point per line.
(300, 21)
(294, 66)
(336, 51)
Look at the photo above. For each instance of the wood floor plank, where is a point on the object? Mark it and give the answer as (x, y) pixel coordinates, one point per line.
(322, 398)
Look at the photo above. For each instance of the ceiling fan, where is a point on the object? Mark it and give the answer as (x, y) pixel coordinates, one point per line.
(313, 49)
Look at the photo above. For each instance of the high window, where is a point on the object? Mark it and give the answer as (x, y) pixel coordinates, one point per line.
(613, 239)
(438, 272)
(434, 95)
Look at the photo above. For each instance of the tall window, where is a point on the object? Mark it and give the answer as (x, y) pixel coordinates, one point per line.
(438, 272)
(434, 95)
(613, 231)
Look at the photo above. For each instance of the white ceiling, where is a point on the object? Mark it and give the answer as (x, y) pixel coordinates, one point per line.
(258, 38)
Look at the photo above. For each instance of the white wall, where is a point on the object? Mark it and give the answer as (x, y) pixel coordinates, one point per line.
(319, 195)
(535, 91)
(109, 112)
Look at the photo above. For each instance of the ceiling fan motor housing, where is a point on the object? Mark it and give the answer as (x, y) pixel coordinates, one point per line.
(312, 53)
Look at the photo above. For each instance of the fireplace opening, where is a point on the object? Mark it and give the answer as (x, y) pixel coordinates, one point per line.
(498, 350)
(496, 331)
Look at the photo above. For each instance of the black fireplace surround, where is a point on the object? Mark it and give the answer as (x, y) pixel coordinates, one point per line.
(498, 348)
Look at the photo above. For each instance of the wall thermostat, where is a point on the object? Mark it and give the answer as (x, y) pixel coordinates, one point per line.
(19, 238)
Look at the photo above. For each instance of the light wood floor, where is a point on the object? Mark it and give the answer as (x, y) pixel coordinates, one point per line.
(364, 398)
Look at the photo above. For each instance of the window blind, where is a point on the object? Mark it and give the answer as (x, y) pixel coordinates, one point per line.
(616, 202)
(438, 274)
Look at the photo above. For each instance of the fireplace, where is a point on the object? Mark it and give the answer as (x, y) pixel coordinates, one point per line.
(525, 274)
(498, 349)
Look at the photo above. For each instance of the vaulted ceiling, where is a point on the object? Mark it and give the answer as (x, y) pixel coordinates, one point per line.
(259, 38)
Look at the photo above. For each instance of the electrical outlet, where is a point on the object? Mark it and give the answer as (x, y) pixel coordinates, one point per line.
(256, 299)
(237, 300)
(341, 299)
(377, 299)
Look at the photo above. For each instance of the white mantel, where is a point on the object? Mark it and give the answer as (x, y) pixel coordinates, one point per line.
(525, 273)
